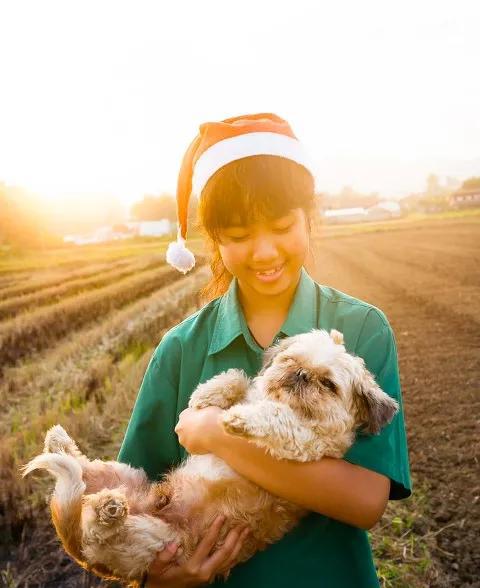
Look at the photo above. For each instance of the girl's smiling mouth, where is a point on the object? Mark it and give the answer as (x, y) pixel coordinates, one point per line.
(270, 275)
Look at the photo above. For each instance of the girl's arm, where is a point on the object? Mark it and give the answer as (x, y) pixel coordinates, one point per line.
(332, 487)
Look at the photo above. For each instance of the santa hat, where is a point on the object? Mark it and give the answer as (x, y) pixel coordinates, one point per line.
(216, 145)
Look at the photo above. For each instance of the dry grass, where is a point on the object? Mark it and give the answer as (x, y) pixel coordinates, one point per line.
(42, 328)
(19, 284)
(13, 305)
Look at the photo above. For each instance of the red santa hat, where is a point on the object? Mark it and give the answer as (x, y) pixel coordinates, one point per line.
(216, 145)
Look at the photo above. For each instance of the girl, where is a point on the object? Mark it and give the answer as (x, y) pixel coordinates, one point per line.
(256, 202)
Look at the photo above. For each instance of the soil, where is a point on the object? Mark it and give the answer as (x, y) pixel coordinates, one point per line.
(427, 281)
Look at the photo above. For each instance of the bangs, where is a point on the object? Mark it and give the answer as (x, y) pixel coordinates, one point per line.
(254, 188)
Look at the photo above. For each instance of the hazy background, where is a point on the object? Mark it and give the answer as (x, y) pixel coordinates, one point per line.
(99, 100)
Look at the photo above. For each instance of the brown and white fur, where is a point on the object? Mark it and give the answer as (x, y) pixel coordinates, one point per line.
(307, 402)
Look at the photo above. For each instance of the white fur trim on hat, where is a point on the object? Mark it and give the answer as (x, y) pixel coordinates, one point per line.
(178, 256)
(233, 148)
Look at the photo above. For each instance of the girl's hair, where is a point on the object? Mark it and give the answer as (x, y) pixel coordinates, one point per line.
(243, 191)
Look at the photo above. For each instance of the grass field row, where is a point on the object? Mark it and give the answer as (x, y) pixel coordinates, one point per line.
(14, 305)
(32, 332)
(35, 281)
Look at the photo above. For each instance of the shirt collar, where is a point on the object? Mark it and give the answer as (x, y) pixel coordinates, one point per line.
(231, 322)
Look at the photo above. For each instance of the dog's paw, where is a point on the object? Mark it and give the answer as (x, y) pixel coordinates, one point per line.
(235, 423)
(223, 390)
(199, 400)
(111, 507)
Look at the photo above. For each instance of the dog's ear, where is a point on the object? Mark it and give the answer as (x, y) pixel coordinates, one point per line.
(336, 336)
(270, 353)
(374, 407)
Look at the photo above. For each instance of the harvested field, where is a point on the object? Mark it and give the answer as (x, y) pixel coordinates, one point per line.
(36, 281)
(16, 303)
(40, 329)
(423, 276)
(426, 280)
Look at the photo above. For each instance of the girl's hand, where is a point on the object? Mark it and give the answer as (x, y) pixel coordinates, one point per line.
(197, 429)
(203, 565)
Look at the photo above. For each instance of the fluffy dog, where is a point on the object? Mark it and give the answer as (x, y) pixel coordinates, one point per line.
(307, 401)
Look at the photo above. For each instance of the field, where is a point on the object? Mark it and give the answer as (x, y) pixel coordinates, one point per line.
(77, 329)
(425, 277)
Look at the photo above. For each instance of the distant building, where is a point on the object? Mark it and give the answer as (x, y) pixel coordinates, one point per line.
(382, 210)
(127, 230)
(99, 235)
(151, 228)
(465, 198)
(345, 215)
(386, 209)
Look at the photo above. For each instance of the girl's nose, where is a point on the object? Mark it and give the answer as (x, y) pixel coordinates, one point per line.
(264, 249)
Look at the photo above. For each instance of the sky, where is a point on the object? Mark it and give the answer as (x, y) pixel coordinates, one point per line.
(101, 98)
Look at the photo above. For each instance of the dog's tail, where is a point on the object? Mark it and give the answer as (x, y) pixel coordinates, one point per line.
(66, 503)
(58, 440)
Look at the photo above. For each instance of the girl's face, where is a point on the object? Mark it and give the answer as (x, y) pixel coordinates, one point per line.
(266, 256)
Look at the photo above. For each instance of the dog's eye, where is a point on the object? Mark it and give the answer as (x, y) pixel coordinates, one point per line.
(329, 384)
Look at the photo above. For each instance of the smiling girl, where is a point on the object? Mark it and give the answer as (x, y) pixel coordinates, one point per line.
(256, 205)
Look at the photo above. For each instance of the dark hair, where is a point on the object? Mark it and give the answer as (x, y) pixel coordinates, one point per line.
(259, 186)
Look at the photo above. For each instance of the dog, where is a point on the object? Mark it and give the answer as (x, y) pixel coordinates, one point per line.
(308, 400)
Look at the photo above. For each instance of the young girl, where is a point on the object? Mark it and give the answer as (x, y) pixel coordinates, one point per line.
(256, 201)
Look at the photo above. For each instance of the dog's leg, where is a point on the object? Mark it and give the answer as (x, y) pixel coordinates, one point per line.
(274, 427)
(223, 390)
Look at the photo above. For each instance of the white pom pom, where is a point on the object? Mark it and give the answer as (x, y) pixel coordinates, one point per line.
(179, 257)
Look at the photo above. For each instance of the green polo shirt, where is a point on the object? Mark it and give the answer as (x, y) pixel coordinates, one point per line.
(320, 551)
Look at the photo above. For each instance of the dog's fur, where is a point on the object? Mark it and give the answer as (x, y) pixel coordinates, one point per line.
(306, 402)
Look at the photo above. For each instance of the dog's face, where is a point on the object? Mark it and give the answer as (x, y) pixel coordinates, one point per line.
(314, 375)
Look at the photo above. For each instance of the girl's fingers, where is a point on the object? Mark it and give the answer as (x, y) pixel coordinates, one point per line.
(224, 553)
(164, 558)
(207, 543)
(232, 560)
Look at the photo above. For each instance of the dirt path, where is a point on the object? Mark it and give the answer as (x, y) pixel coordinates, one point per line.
(431, 298)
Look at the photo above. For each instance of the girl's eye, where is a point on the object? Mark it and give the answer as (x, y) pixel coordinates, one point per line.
(237, 238)
(283, 229)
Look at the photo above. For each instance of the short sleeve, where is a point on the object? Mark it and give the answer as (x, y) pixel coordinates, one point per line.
(386, 452)
(150, 441)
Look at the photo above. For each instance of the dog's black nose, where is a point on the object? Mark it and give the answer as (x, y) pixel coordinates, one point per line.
(302, 376)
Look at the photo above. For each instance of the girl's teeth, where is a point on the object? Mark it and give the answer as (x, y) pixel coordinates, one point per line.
(269, 272)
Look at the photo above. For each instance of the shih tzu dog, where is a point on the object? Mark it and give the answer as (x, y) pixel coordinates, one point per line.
(308, 401)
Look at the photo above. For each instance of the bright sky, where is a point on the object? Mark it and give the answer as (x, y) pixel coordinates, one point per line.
(103, 97)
